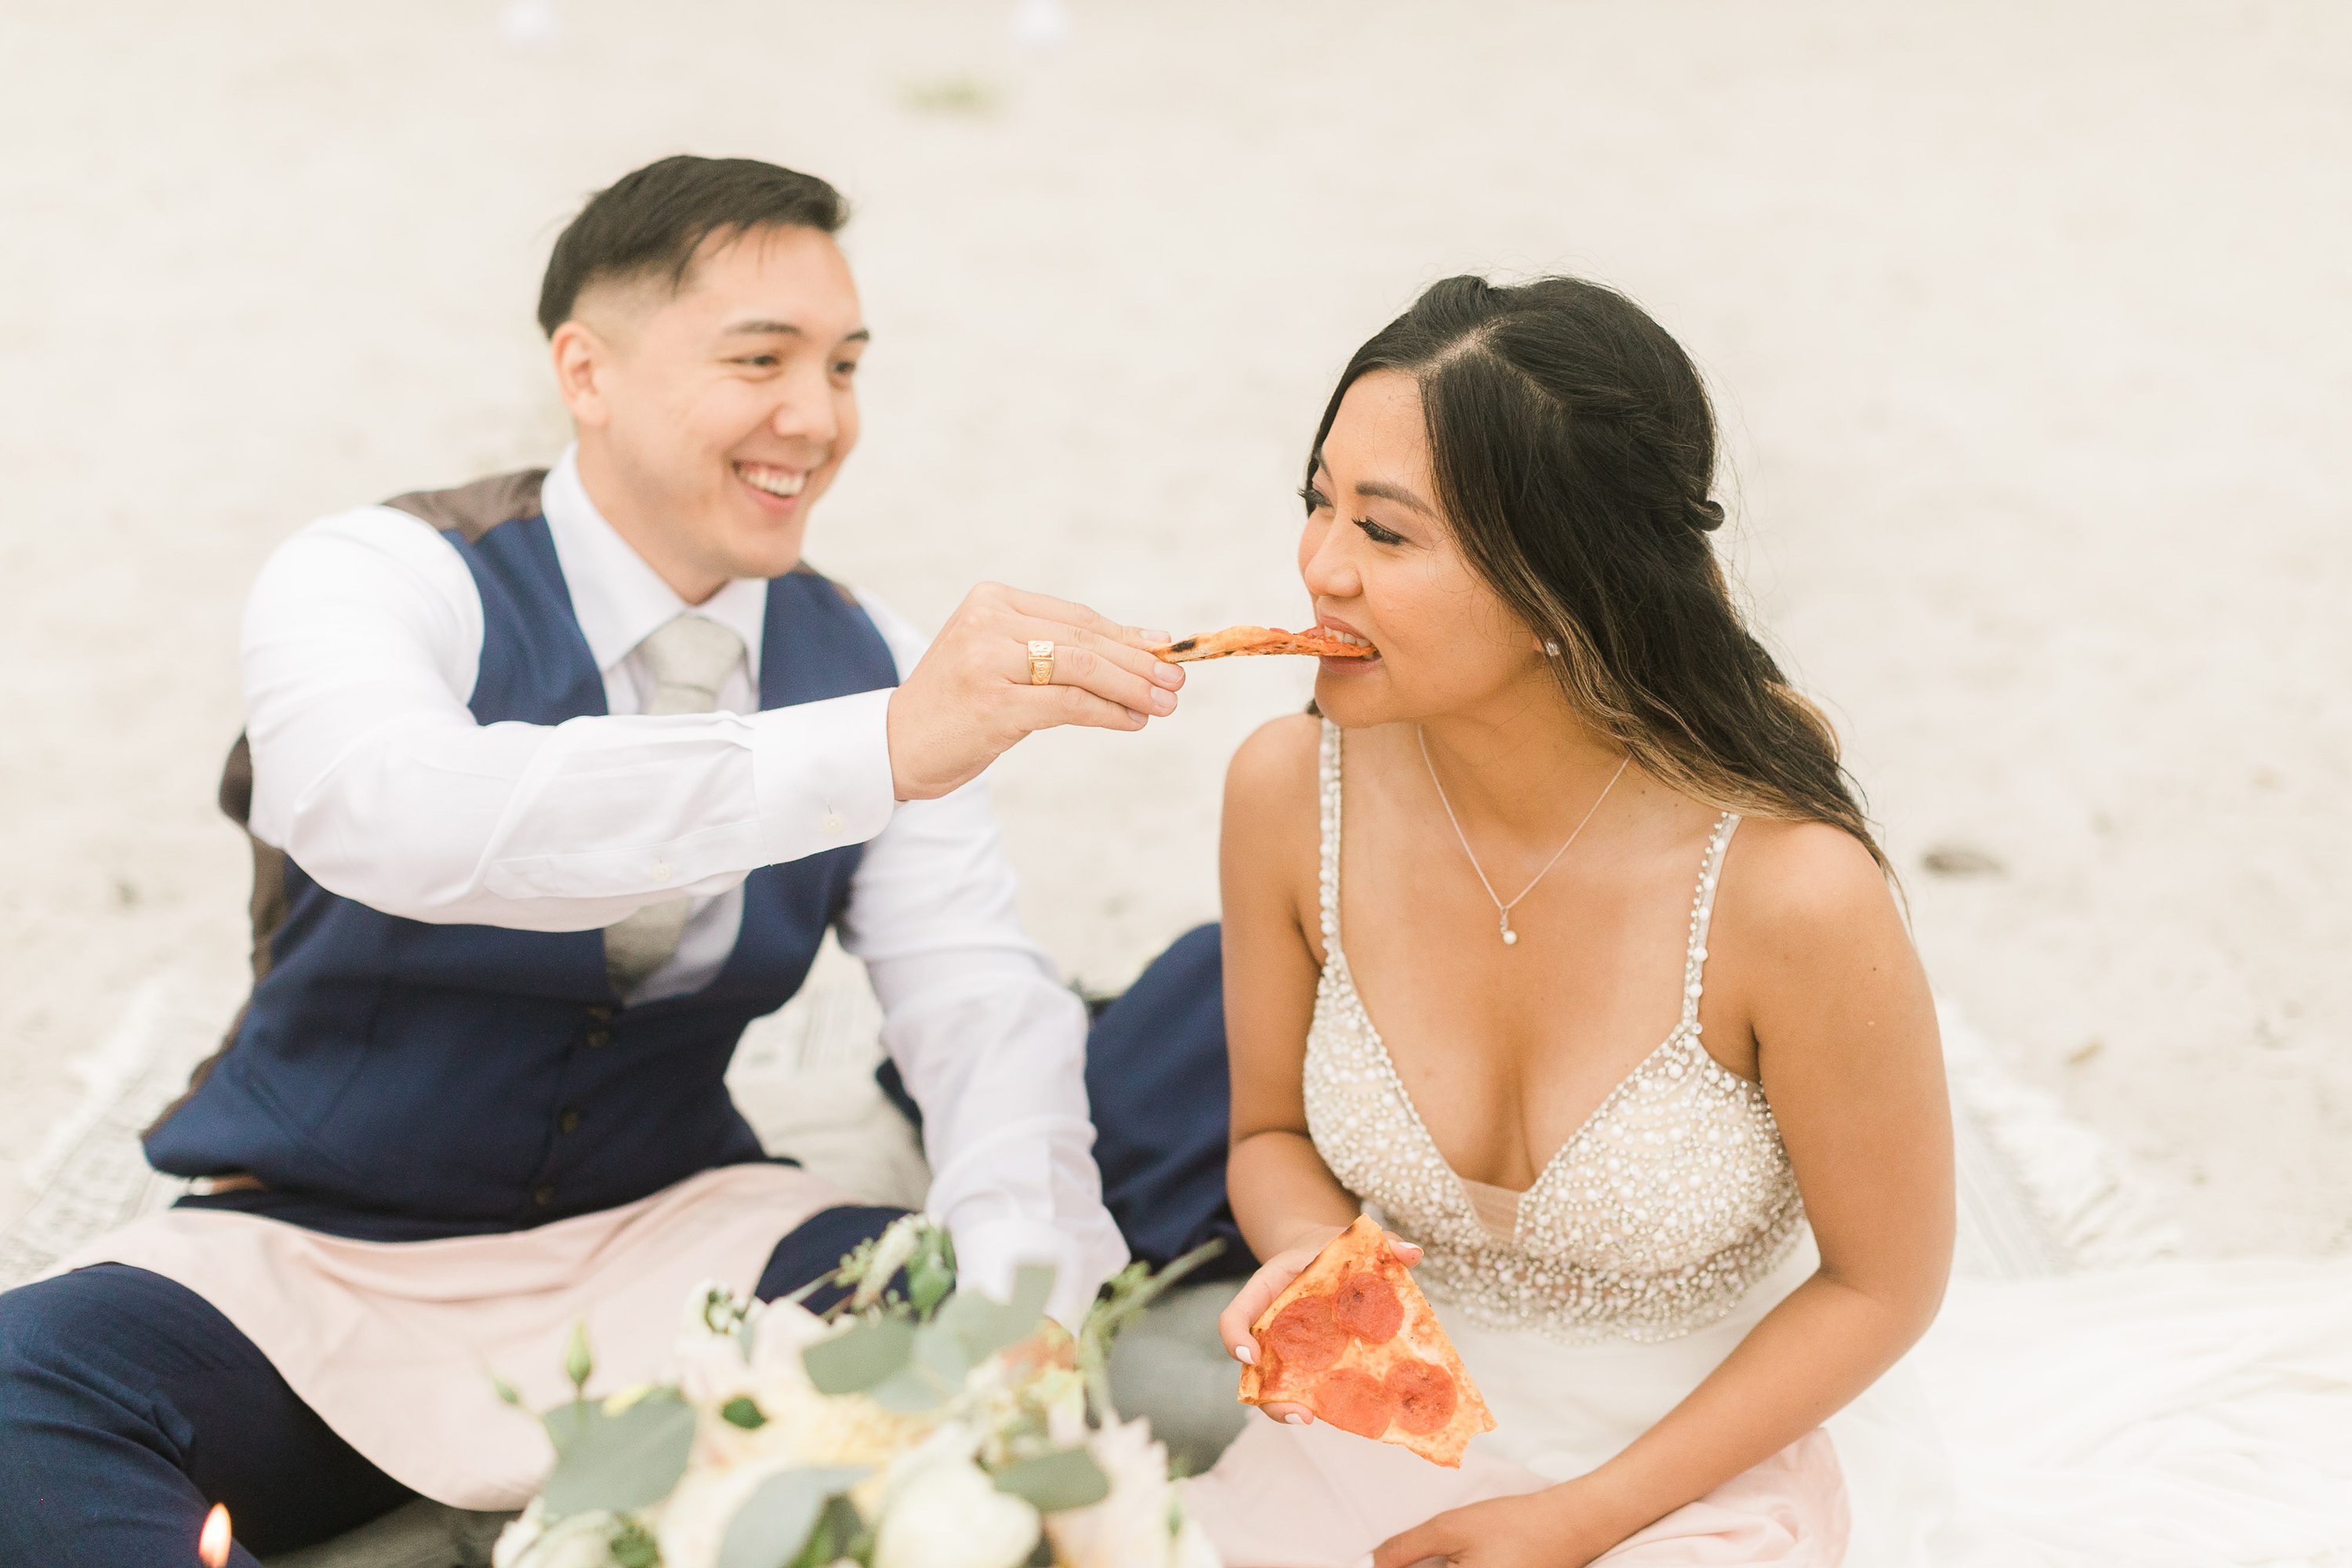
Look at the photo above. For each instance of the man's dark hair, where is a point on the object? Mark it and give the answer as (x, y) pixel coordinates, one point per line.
(650, 222)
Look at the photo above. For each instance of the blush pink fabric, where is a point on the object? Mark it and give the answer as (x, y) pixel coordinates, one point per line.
(395, 1344)
(1313, 1497)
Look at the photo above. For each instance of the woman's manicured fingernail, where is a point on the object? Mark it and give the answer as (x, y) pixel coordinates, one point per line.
(1170, 675)
(1296, 1419)
(1246, 1355)
(1163, 702)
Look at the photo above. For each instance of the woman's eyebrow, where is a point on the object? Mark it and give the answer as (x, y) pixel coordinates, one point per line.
(1380, 489)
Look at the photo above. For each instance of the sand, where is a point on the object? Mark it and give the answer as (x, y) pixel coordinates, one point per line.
(2029, 330)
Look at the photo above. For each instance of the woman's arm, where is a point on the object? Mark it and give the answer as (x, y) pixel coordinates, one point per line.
(1810, 955)
(1289, 1203)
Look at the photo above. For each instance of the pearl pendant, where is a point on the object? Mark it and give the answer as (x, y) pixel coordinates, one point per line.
(1510, 937)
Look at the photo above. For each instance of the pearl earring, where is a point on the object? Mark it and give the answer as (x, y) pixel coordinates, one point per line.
(1551, 648)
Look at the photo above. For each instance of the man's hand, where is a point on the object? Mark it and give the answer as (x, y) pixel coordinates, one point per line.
(970, 699)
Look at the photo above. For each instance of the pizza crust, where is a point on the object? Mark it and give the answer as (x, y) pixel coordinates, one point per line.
(1353, 1339)
(1235, 640)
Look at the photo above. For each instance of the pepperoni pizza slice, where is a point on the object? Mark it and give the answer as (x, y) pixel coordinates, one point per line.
(1316, 641)
(1353, 1339)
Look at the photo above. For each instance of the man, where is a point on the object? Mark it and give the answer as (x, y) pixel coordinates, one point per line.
(555, 782)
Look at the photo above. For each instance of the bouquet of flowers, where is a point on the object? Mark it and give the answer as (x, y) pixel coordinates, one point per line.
(915, 1425)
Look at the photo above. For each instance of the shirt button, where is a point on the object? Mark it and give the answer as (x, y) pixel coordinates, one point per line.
(661, 870)
(568, 1123)
(545, 1194)
(833, 822)
(596, 1038)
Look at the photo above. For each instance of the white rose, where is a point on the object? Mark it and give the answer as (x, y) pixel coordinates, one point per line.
(947, 1514)
(581, 1541)
(1193, 1549)
(1140, 1523)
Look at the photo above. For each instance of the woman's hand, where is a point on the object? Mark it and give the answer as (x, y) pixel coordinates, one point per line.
(1541, 1530)
(1273, 1278)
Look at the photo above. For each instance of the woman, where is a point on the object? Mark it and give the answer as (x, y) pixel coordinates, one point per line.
(1572, 810)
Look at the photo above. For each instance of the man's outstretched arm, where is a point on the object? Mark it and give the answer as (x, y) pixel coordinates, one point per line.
(362, 638)
(991, 1044)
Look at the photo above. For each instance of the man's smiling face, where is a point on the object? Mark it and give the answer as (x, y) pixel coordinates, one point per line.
(712, 416)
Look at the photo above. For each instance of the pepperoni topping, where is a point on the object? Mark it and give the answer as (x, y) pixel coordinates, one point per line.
(1424, 1394)
(1306, 1334)
(1367, 1307)
(1354, 1402)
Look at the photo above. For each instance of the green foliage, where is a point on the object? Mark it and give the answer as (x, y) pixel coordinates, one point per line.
(633, 1547)
(578, 1360)
(1124, 1298)
(777, 1523)
(934, 1375)
(744, 1412)
(1068, 1477)
(932, 1272)
(617, 1462)
(860, 1356)
(841, 1533)
(910, 1366)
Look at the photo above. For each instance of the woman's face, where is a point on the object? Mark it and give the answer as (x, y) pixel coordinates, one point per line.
(1381, 561)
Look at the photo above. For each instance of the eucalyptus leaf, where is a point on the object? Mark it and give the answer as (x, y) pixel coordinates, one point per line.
(775, 1522)
(744, 1411)
(934, 1372)
(617, 1462)
(841, 1533)
(929, 1280)
(986, 1326)
(856, 1360)
(1068, 1478)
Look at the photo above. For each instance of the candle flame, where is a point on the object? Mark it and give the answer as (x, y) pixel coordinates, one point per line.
(212, 1544)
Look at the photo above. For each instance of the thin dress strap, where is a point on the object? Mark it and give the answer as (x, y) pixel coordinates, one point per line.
(1328, 876)
(1702, 913)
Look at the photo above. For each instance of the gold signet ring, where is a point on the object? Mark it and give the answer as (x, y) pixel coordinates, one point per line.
(1041, 663)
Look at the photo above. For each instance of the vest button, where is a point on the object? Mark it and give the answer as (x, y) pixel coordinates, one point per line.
(568, 1123)
(596, 1038)
(545, 1194)
(600, 1012)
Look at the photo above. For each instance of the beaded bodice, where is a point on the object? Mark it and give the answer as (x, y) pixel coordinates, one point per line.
(1651, 1221)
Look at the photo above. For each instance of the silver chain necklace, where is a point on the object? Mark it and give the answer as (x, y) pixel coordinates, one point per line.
(1503, 911)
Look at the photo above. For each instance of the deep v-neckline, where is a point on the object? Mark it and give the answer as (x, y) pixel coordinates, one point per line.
(1685, 1035)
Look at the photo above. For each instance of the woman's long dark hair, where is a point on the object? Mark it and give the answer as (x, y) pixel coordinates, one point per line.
(1574, 451)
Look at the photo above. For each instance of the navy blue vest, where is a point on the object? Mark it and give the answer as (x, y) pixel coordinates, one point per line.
(449, 1078)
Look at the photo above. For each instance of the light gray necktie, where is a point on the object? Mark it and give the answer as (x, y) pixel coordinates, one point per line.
(690, 659)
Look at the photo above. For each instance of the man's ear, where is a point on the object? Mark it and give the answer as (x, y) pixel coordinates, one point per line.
(582, 360)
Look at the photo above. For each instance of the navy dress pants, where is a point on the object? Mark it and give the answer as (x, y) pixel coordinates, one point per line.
(129, 1406)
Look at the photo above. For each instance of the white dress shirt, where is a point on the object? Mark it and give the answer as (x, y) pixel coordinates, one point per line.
(361, 642)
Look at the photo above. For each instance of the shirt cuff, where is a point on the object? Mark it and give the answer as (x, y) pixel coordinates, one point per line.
(821, 772)
(989, 1252)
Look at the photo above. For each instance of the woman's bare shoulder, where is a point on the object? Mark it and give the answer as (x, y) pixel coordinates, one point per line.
(1282, 758)
(1270, 785)
(1804, 876)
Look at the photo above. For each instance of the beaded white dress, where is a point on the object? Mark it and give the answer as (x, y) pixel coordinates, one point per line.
(1656, 1238)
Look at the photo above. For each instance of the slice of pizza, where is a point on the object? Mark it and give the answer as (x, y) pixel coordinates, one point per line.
(1315, 641)
(1353, 1339)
